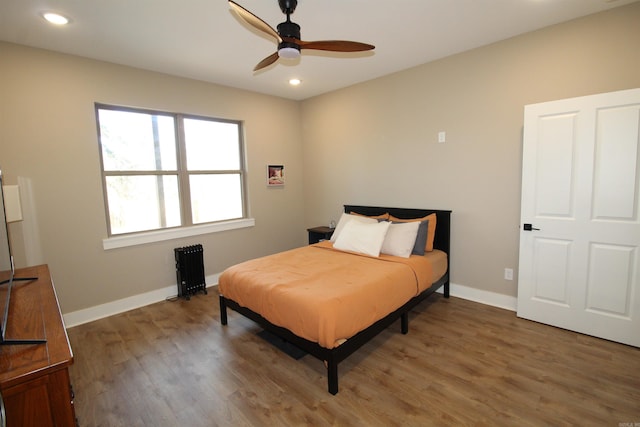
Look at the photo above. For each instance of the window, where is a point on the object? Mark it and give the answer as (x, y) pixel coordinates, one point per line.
(163, 170)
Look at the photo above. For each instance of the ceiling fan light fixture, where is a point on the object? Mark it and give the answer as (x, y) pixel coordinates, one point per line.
(288, 52)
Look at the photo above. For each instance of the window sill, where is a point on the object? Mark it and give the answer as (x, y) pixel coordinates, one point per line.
(174, 233)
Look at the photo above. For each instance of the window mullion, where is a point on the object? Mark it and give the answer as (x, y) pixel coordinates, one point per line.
(183, 174)
(159, 178)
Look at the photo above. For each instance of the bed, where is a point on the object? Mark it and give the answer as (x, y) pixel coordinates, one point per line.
(257, 288)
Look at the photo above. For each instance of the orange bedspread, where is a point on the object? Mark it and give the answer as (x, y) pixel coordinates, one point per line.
(322, 294)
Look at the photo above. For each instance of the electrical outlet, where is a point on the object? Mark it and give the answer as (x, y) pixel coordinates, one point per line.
(442, 137)
(508, 273)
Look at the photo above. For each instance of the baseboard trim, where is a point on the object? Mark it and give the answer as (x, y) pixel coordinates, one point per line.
(90, 314)
(87, 315)
(484, 297)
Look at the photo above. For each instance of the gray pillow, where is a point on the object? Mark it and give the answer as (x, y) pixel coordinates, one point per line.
(421, 238)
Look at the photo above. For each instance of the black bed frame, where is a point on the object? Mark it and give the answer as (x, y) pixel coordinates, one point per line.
(333, 356)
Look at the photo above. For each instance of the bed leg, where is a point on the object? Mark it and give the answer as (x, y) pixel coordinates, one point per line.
(446, 289)
(223, 311)
(332, 376)
(404, 323)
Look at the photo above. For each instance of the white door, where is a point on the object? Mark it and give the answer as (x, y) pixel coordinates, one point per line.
(580, 208)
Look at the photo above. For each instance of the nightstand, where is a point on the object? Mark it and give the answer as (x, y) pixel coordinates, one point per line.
(317, 234)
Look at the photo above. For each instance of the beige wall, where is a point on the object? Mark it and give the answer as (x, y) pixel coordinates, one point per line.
(48, 137)
(376, 143)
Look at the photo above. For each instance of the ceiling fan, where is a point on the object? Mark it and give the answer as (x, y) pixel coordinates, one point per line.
(288, 36)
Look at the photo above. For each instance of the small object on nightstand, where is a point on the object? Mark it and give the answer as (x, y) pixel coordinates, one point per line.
(318, 234)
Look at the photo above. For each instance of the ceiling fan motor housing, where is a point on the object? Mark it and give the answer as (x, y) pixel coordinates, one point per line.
(289, 30)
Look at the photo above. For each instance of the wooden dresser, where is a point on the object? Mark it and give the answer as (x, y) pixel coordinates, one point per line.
(34, 378)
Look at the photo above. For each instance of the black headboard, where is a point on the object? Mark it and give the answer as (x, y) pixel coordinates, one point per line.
(442, 238)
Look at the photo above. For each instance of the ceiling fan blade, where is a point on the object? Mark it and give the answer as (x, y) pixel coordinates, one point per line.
(254, 21)
(266, 61)
(333, 45)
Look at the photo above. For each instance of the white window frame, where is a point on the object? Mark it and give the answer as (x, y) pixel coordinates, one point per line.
(187, 229)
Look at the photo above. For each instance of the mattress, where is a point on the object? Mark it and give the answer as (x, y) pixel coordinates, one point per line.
(325, 295)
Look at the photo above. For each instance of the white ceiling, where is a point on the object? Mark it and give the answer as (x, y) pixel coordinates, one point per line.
(204, 39)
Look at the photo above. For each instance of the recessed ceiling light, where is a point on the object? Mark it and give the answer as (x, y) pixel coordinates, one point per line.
(55, 18)
(295, 82)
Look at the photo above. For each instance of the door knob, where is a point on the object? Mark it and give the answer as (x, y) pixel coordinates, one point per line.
(528, 227)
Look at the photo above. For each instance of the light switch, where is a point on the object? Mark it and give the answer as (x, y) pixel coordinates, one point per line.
(442, 136)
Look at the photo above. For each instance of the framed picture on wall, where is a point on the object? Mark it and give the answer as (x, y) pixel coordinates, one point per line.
(275, 175)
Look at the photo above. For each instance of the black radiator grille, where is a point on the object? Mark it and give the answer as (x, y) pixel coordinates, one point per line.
(190, 270)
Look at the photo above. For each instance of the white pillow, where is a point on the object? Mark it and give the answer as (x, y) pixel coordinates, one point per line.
(361, 237)
(346, 218)
(400, 239)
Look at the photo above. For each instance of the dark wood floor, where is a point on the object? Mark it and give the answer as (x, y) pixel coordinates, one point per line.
(462, 363)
